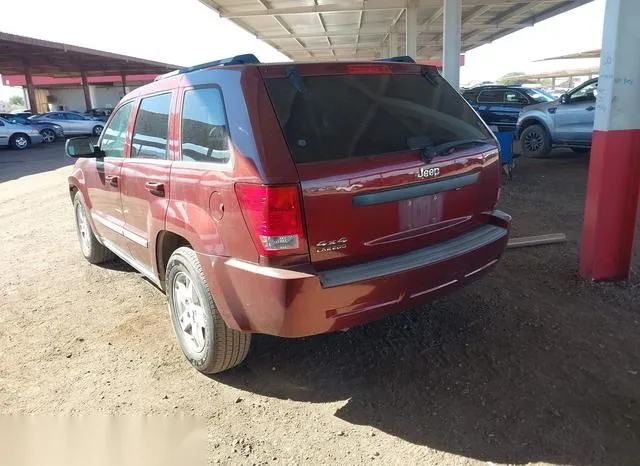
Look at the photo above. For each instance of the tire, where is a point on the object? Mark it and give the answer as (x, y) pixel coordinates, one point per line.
(20, 141)
(206, 341)
(581, 150)
(48, 135)
(97, 130)
(535, 141)
(91, 248)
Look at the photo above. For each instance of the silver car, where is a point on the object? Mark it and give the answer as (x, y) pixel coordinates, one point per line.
(566, 122)
(73, 123)
(18, 136)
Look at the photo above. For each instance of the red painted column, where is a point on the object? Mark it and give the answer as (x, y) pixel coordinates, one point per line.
(613, 189)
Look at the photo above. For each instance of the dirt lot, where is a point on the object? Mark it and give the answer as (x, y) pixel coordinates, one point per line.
(530, 364)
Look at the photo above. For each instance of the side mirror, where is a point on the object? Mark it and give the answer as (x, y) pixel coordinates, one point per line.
(82, 148)
(564, 98)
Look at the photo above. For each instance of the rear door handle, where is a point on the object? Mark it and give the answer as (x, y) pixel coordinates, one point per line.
(112, 180)
(155, 187)
(590, 109)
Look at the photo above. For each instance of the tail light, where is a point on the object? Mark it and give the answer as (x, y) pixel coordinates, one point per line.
(274, 217)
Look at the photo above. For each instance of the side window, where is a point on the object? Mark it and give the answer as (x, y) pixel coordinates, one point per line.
(205, 134)
(74, 117)
(585, 94)
(56, 116)
(151, 128)
(514, 97)
(469, 96)
(115, 133)
(494, 96)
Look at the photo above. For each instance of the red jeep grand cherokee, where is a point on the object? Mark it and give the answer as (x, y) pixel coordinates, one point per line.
(290, 199)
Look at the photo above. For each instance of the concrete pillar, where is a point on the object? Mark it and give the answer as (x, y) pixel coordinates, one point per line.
(613, 189)
(452, 41)
(393, 44)
(92, 95)
(87, 93)
(32, 103)
(411, 42)
(553, 84)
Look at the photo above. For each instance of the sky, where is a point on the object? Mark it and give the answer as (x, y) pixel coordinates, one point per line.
(185, 32)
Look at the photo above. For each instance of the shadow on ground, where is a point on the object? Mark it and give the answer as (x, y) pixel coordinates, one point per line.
(476, 375)
(529, 364)
(39, 158)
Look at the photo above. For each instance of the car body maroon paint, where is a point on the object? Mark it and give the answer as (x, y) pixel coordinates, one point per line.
(378, 236)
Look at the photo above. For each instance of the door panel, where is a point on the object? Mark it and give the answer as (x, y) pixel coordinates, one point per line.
(103, 178)
(145, 205)
(574, 121)
(4, 134)
(103, 189)
(145, 177)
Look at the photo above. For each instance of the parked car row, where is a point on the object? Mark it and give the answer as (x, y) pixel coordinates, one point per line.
(539, 121)
(21, 130)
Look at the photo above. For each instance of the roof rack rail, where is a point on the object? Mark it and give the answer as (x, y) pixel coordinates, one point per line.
(246, 59)
(401, 59)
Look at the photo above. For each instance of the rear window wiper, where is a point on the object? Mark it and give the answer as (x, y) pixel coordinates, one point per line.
(296, 79)
(429, 151)
(424, 71)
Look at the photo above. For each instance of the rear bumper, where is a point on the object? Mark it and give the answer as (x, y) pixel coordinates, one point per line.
(292, 303)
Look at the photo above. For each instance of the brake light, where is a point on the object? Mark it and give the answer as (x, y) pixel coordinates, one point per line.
(274, 217)
(368, 69)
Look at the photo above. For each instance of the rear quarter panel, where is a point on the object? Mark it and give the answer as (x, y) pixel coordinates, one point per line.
(203, 207)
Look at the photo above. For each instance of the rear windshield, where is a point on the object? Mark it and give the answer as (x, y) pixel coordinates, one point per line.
(339, 117)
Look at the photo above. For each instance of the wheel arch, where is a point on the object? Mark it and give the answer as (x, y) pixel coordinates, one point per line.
(531, 121)
(20, 133)
(166, 243)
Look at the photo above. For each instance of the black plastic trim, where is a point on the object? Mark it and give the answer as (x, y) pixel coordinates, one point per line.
(416, 190)
(430, 255)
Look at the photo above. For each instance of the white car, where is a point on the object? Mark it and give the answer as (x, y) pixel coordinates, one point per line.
(73, 123)
(18, 136)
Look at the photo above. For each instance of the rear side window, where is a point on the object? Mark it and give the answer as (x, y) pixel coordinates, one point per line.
(514, 97)
(151, 128)
(115, 134)
(205, 134)
(339, 117)
(494, 96)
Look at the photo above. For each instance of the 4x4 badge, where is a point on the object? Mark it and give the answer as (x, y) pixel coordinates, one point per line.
(332, 245)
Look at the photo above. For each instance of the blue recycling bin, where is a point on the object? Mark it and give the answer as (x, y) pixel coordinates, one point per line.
(505, 139)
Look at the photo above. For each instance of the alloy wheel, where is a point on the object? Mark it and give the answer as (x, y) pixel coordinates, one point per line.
(21, 142)
(84, 230)
(189, 312)
(48, 135)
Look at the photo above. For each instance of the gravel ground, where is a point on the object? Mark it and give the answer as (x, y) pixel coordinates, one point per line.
(530, 364)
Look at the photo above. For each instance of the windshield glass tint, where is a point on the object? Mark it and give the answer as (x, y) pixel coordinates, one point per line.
(345, 116)
(538, 96)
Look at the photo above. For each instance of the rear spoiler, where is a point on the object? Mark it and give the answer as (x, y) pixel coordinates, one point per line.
(401, 59)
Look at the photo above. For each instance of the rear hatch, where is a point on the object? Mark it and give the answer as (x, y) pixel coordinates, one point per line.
(390, 157)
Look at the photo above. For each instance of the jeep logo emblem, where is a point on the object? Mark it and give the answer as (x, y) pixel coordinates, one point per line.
(426, 172)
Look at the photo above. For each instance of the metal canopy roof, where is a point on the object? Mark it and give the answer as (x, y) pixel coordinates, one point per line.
(56, 59)
(347, 29)
(571, 56)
